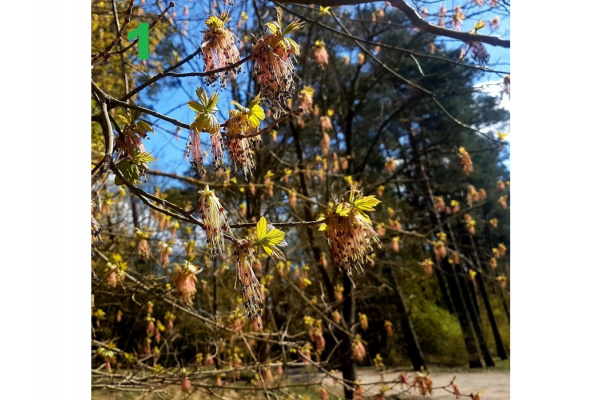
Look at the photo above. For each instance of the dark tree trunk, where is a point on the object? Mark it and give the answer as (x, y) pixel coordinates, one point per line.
(444, 289)
(412, 342)
(471, 307)
(463, 316)
(486, 302)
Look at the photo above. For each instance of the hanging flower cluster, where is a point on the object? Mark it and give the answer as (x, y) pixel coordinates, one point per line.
(358, 349)
(245, 258)
(143, 247)
(215, 222)
(274, 55)
(219, 48)
(271, 240)
(350, 232)
(424, 383)
(465, 160)
(185, 282)
(320, 54)
(206, 121)
(242, 122)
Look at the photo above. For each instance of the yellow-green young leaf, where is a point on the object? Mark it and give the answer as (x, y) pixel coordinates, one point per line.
(323, 227)
(342, 211)
(367, 203)
(124, 118)
(143, 157)
(145, 126)
(273, 27)
(194, 105)
(261, 228)
(269, 239)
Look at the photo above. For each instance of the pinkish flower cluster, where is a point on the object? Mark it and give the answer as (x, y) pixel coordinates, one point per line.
(219, 48)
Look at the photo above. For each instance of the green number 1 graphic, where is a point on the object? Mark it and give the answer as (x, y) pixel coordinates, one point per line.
(141, 32)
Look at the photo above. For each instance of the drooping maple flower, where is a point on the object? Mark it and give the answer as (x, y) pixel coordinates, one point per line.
(439, 249)
(364, 321)
(96, 230)
(494, 222)
(457, 18)
(455, 390)
(502, 201)
(424, 383)
(495, 22)
(471, 227)
(388, 327)
(170, 319)
(143, 248)
(305, 98)
(112, 278)
(501, 250)
(390, 164)
(242, 122)
(361, 58)
(206, 121)
(108, 355)
(320, 54)
(455, 206)
(219, 48)
(185, 282)
(427, 266)
(493, 3)
(493, 263)
(358, 349)
(482, 194)
(396, 244)
(274, 55)
(323, 395)
(506, 82)
(245, 254)
(502, 281)
(325, 144)
(350, 232)
(186, 385)
(165, 250)
(293, 199)
(215, 222)
(465, 160)
(440, 205)
(194, 153)
(478, 52)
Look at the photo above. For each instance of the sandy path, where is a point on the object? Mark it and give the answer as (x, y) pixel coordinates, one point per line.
(494, 384)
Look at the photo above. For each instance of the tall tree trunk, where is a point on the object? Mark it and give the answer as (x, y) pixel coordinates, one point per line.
(486, 302)
(444, 289)
(412, 342)
(468, 289)
(471, 307)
